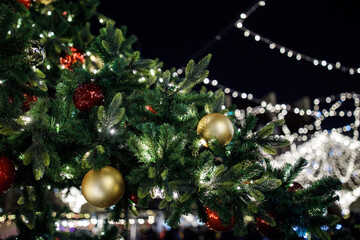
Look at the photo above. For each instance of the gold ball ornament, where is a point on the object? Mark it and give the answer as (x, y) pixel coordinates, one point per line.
(103, 188)
(215, 125)
(45, 2)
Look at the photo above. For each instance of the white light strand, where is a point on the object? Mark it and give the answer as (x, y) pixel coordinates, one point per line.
(299, 56)
(282, 49)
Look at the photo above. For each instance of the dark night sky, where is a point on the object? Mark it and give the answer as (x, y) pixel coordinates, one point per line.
(174, 30)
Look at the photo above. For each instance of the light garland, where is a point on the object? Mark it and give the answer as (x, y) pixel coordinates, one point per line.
(329, 155)
(293, 53)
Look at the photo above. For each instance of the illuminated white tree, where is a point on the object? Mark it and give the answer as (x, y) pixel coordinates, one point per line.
(329, 155)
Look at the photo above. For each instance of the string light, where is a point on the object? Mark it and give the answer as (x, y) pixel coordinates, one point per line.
(272, 45)
(73, 197)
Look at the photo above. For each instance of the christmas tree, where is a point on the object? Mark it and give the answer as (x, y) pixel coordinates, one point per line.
(91, 112)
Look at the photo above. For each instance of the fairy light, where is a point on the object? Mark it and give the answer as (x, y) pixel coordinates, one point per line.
(73, 197)
(156, 192)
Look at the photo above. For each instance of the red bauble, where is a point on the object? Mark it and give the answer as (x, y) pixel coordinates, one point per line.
(28, 101)
(68, 60)
(266, 230)
(87, 95)
(7, 174)
(150, 109)
(294, 187)
(26, 3)
(134, 198)
(214, 221)
(25, 106)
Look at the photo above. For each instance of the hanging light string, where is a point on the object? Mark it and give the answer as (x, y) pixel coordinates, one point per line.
(297, 55)
(218, 37)
(285, 50)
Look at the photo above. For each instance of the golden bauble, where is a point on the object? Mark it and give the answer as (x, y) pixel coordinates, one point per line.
(45, 2)
(215, 125)
(103, 188)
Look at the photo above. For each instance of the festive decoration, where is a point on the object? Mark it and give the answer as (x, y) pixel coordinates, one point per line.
(36, 53)
(294, 187)
(87, 95)
(25, 106)
(150, 153)
(266, 230)
(45, 2)
(150, 109)
(134, 198)
(103, 188)
(68, 60)
(7, 174)
(26, 3)
(28, 101)
(215, 125)
(215, 223)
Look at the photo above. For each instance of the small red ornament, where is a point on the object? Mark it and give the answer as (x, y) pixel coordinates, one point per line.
(134, 198)
(214, 221)
(28, 101)
(87, 95)
(26, 3)
(150, 109)
(266, 230)
(25, 106)
(68, 60)
(7, 174)
(294, 187)
(64, 13)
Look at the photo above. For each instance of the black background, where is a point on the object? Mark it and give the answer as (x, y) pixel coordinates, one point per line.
(174, 30)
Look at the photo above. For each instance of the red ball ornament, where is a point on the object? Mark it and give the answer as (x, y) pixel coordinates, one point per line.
(87, 95)
(294, 187)
(134, 198)
(150, 109)
(266, 230)
(7, 174)
(67, 61)
(26, 3)
(28, 101)
(25, 106)
(214, 221)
